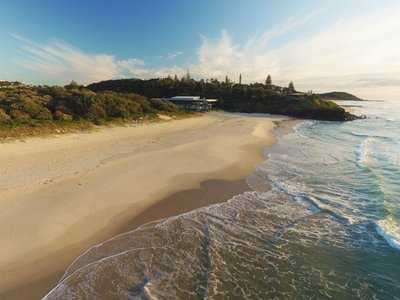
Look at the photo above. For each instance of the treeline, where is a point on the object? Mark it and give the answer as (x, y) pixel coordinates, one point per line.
(22, 104)
(250, 98)
(131, 99)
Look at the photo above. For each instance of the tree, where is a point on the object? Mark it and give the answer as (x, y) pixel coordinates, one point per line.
(187, 77)
(72, 85)
(239, 98)
(268, 81)
(227, 81)
(291, 88)
(176, 78)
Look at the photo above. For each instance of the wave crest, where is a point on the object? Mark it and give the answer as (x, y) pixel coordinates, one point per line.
(389, 229)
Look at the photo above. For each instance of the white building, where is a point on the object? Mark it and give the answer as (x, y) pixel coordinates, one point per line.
(193, 103)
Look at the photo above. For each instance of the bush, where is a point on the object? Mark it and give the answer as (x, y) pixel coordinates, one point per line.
(35, 109)
(163, 105)
(19, 115)
(4, 117)
(73, 102)
(61, 116)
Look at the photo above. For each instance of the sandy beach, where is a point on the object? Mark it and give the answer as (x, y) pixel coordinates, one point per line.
(60, 195)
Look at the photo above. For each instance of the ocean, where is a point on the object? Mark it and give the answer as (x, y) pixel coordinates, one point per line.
(322, 221)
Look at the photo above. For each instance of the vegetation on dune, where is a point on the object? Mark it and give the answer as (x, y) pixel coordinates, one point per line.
(37, 109)
(33, 109)
(257, 97)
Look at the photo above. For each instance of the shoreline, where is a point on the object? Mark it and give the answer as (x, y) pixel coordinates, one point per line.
(203, 189)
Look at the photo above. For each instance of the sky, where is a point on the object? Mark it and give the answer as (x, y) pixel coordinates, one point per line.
(330, 45)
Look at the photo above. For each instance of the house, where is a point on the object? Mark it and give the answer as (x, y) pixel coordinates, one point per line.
(193, 103)
(296, 94)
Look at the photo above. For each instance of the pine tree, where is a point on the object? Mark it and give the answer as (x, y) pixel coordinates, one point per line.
(240, 79)
(72, 85)
(227, 79)
(291, 88)
(268, 81)
(187, 77)
(176, 78)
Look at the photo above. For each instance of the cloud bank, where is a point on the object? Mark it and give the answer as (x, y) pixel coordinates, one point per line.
(61, 62)
(359, 55)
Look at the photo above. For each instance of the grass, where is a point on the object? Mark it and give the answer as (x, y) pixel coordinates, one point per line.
(35, 128)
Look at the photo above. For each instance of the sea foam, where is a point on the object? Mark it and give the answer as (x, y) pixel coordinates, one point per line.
(363, 151)
(300, 127)
(389, 229)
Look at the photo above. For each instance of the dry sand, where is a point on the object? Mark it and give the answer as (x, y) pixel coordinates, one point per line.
(59, 195)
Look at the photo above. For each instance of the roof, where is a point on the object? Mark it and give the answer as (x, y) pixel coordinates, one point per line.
(186, 98)
(297, 94)
(191, 98)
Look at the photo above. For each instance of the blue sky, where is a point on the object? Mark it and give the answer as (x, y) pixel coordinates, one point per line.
(321, 45)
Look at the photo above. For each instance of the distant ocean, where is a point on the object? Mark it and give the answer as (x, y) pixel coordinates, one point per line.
(322, 222)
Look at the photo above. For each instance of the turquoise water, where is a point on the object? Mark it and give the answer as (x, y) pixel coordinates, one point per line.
(321, 222)
(351, 169)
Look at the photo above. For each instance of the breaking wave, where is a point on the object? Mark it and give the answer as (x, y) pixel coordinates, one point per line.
(390, 230)
(321, 221)
(257, 245)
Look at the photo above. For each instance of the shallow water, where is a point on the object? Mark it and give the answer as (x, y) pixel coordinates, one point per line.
(321, 222)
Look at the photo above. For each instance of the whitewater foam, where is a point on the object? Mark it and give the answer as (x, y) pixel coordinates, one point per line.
(363, 151)
(247, 242)
(300, 127)
(389, 229)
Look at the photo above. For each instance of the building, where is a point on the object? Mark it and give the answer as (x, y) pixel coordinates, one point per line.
(193, 103)
(296, 94)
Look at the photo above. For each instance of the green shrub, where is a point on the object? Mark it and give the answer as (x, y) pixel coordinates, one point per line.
(4, 117)
(163, 105)
(30, 104)
(19, 115)
(61, 116)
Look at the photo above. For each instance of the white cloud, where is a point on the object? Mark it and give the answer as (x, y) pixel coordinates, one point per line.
(174, 55)
(362, 45)
(60, 62)
(358, 54)
(170, 56)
